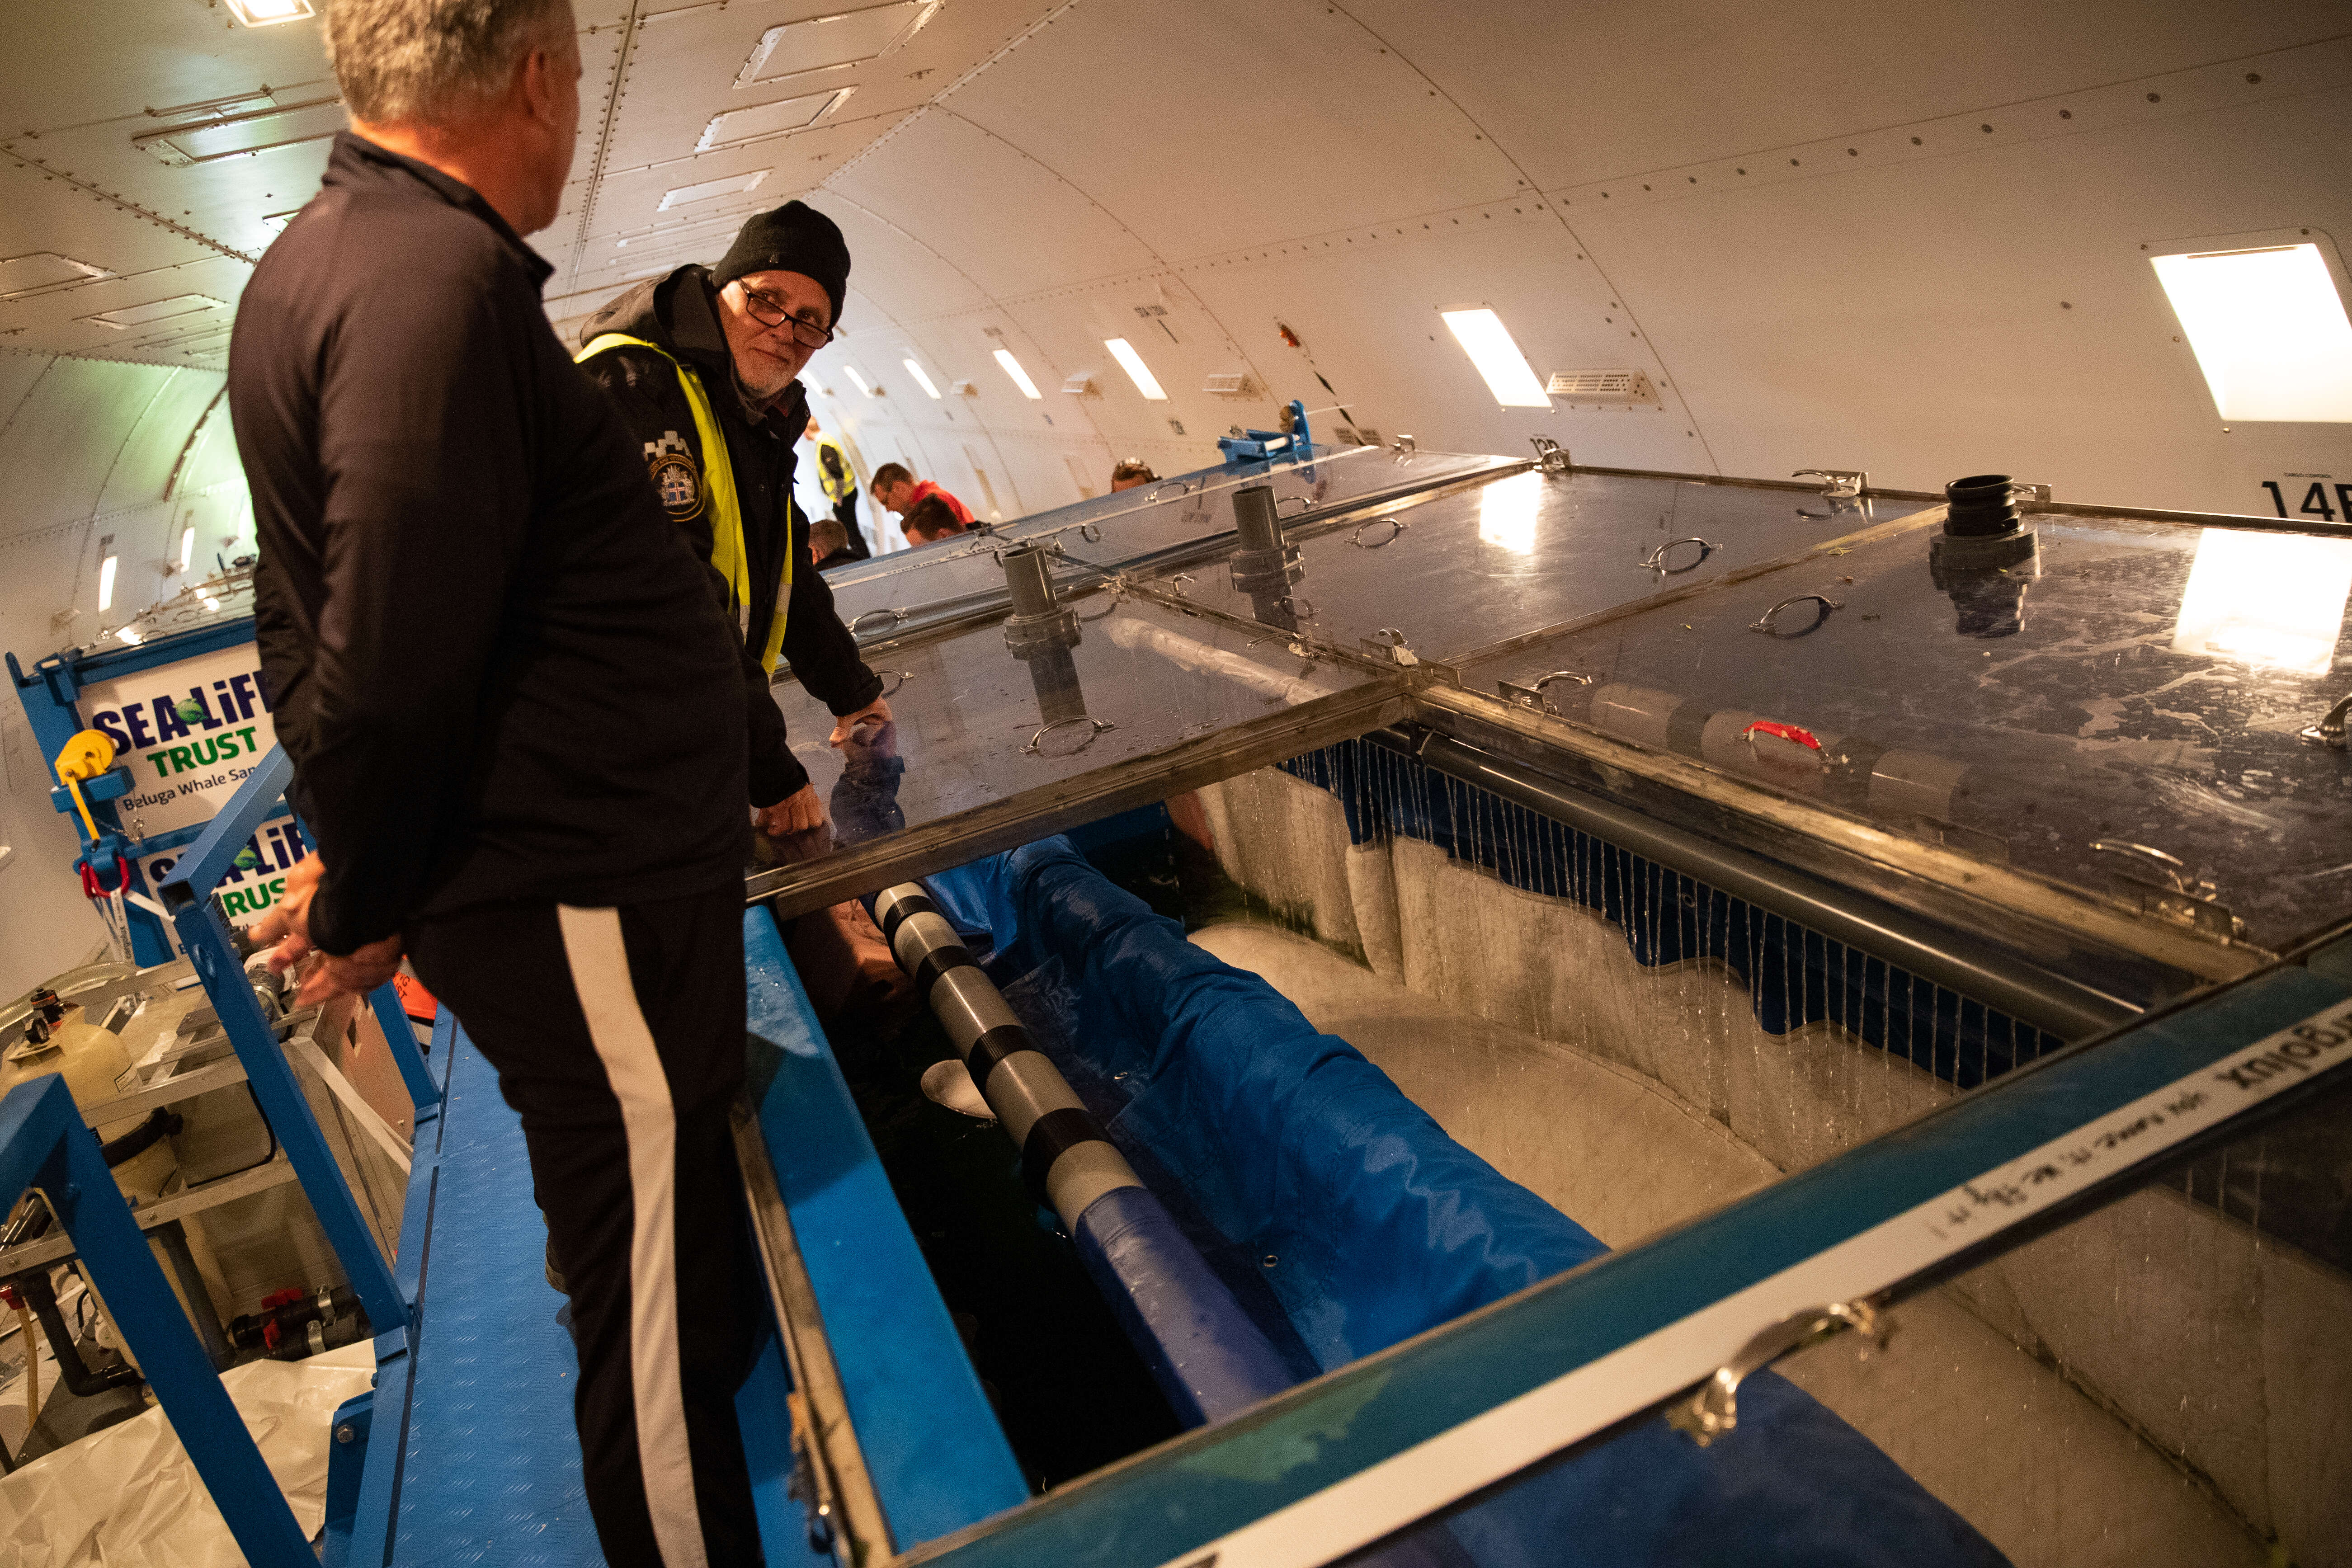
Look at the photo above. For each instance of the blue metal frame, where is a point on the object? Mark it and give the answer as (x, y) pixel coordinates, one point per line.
(44, 1145)
(1258, 446)
(933, 1449)
(206, 935)
(51, 696)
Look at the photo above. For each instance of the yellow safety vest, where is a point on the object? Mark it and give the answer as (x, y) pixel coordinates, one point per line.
(834, 489)
(727, 550)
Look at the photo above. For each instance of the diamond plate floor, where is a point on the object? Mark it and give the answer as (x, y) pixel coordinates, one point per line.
(492, 1471)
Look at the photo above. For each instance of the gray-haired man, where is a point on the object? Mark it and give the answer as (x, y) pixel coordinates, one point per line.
(513, 705)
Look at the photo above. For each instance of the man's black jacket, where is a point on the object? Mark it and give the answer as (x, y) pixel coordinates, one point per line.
(499, 670)
(679, 313)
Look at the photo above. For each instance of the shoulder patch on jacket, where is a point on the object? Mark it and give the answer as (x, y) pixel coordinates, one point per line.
(676, 478)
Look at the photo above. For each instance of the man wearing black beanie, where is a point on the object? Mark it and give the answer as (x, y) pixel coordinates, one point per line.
(703, 364)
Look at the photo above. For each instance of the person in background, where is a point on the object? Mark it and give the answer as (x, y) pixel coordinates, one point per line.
(1131, 472)
(703, 364)
(839, 482)
(829, 543)
(929, 521)
(516, 722)
(898, 490)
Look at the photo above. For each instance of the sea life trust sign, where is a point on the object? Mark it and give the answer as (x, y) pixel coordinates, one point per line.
(188, 731)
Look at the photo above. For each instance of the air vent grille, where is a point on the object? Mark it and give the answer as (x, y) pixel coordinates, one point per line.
(1228, 383)
(1601, 386)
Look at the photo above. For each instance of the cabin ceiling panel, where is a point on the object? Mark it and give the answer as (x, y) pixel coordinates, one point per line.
(1366, 315)
(1225, 123)
(1008, 221)
(1965, 329)
(684, 65)
(908, 279)
(73, 62)
(1593, 90)
(65, 438)
(1180, 344)
(165, 432)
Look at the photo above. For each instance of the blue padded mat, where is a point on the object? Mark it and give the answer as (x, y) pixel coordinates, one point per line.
(492, 1472)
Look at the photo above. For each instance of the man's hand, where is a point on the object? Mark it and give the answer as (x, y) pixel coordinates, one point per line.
(287, 925)
(796, 813)
(877, 712)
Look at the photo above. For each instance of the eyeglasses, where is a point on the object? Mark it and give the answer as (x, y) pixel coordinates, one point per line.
(770, 312)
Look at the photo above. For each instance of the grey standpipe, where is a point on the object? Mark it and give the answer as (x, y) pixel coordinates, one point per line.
(1263, 567)
(1208, 1356)
(1041, 632)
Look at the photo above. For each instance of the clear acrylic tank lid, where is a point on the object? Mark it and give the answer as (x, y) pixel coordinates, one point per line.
(901, 593)
(1474, 566)
(972, 723)
(2120, 708)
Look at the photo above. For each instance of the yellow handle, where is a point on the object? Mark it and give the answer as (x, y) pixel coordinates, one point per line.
(86, 756)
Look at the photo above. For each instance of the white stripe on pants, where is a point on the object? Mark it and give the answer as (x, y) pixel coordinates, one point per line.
(599, 960)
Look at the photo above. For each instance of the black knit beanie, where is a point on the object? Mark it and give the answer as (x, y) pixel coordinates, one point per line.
(795, 237)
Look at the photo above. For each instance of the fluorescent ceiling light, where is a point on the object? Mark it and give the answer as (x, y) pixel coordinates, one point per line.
(2273, 599)
(187, 545)
(821, 43)
(43, 269)
(857, 379)
(781, 118)
(2268, 331)
(1488, 343)
(733, 185)
(1020, 377)
(1137, 371)
(106, 582)
(268, 13)
(154, 310)
(920, 379)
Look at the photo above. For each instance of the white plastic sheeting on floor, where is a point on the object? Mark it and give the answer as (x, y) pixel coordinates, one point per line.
(128, 1497)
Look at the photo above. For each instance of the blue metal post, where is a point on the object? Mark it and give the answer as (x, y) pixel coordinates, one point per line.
(402, 1038)
(44, 1144)
(204, 935)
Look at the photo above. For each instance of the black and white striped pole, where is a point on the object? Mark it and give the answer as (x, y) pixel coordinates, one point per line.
(1208, 1357)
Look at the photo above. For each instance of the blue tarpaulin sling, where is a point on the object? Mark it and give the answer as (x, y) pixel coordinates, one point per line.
(1342, 1212)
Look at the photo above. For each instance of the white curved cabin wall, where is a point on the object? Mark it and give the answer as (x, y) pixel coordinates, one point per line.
(91, 451)
(1793, 219)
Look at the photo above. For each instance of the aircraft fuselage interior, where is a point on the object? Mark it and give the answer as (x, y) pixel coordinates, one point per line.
(1565, 784)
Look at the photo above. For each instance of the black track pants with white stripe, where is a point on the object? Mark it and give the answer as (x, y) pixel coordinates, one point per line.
(618, 1035)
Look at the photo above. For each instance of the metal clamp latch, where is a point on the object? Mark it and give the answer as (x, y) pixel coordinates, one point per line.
(1388, 643)
(1714, 1408)
(1551, 457)
(1531, 694)
(1769, 624)
(2181, 897)
(891, 618)
(1404, 449)
(1396, 530)
(1656, 559)
(1837, 484)
(2329, 731)
(1037, 740)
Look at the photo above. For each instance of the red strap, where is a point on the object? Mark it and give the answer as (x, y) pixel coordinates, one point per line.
(93, 889)
(1785, 731)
